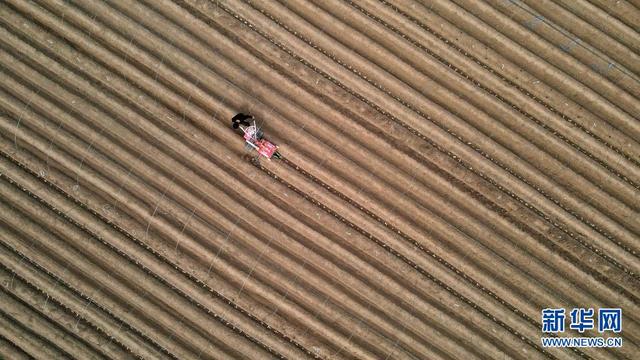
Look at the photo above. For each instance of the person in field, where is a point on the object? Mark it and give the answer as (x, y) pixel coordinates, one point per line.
(253, 136)
(241, 119)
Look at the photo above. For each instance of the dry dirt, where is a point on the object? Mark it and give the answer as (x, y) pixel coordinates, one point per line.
(450, 169)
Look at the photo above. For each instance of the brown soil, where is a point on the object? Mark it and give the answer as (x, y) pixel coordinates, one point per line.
(450, 169)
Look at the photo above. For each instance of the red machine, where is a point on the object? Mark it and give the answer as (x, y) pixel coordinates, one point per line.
(253, 137)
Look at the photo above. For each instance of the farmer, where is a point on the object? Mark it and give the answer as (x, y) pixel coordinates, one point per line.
(243, 119)
(240, 119)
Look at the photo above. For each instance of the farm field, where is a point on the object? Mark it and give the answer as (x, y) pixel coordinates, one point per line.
(450, 168)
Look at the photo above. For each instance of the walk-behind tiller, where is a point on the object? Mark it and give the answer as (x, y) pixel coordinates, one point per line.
(254, 137)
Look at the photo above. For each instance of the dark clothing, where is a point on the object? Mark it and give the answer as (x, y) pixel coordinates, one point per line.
(241, 118)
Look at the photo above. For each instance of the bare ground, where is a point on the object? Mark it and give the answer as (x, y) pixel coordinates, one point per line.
(451, 168)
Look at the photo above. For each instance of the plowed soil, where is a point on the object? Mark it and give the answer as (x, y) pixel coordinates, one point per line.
(450, 168)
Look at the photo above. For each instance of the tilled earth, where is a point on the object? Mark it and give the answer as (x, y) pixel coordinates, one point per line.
(450, 169)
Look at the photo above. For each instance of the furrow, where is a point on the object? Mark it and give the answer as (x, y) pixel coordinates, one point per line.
(537, 67)
(229, 325)
(147, 12)
(146, 306)
(618, 216)
(64, 335)
(34, 344)
(497, 200)
(185, 273)
(438, 184)
(434, 133)
(415, 243)
(374, 147)
(9, 350)
(331, 117)
(561, 25)
(622, 11)
(350, 33)
(527, 204)
(75, 322)
(432, 267)
(447, 36)
(159, 278)
(411, 263)
(174, 274)
(67, 295)
(254, 86)
(569, 132)
(492, 26)
(360, 40)
(96, 144)
(104, 285)
(151, 202)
